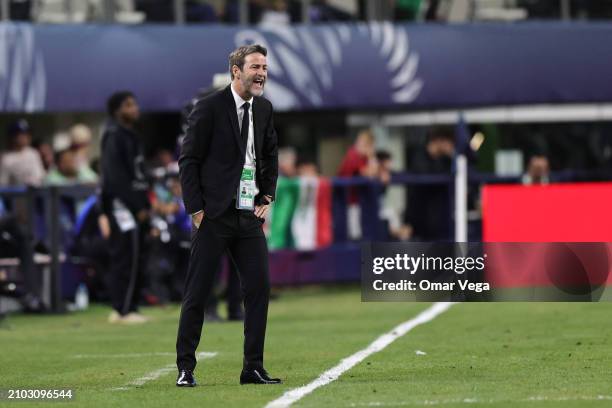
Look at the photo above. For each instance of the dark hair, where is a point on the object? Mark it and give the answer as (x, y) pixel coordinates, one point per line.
(57, 156)
(441, 133)
(115, 100)
(18, 127)
(305, 159)
(383, 155)
(239, 54)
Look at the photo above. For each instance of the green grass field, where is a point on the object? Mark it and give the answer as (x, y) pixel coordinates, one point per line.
(484, 355)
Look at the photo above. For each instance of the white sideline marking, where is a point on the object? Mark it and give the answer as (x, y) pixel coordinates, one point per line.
(346, 364)
(479, 401)
(154, 375)
(124, 355)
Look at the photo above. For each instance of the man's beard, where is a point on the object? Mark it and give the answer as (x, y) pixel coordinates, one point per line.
(248, 84)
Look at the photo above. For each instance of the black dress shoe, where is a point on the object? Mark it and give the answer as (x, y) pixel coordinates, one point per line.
(257, 376)
(185, 379)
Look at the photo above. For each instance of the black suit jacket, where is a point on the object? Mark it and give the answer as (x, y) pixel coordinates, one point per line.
(213, 153)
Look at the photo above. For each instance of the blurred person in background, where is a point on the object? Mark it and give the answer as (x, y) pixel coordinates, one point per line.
(67, 169)
(307, 167)
(359, 161)
(125, 202)
(407, 10)
(92, 232)
(80, 138)
(360, 158)
(428, 212)
(45, 150)
(538, 170)
(275, 12)
(170, 228)
(21, 165)
(388, 214)
(322, 11)
(287, 160)
(14, 242)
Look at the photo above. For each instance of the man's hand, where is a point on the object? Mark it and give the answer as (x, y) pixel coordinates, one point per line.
(262, 210)
(197, 218)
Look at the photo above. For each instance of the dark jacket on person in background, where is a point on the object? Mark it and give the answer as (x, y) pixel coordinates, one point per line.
(122, 168)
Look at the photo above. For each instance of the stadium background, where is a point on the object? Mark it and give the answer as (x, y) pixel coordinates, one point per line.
(518, 87)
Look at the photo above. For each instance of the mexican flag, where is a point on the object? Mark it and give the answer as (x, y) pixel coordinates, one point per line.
(301, 214)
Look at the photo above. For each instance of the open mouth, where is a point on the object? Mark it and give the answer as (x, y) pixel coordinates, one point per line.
(259, 82)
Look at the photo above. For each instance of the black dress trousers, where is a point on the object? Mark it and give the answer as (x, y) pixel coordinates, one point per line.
(240, 233)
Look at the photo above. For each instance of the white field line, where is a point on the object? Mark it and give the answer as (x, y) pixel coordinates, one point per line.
(346, 364)
(480, 401)
(154, 375)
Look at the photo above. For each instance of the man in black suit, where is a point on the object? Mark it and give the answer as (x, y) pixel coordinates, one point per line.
(228, 171)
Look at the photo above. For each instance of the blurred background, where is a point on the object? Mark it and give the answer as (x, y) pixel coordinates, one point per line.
(393, 117)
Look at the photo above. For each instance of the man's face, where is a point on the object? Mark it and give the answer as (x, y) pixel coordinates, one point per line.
(538, 167)
(364, 145)
(253, 75)
(22, 140)
(67, 164)
(129, 111)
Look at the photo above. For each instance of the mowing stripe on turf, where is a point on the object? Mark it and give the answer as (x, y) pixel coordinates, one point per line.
(125, 355)
(154, 375)
(346, 364)
(471, 401)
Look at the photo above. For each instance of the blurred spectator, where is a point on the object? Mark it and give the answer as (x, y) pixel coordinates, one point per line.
(429, 207)
(80, 137)
(307, 167)
(432, 10)
(389, 215)
(275, 12)
(257, 9)
(125, 202)
(538, 170)
(360, 160)
(321, 11)
(384, 161)
(91, 234)
(162, 11)
(287, 158)
(20, 10)
(200, 12)
(14, 242)
(164, 162)
(156, 11)
(407, 10)
(45, 150)
(22, 164)
(67, 171)
(170, 232)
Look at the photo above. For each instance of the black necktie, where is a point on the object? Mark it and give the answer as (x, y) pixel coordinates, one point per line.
(244, 129)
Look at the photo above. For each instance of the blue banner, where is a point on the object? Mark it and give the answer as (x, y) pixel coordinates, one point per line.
(337, 66)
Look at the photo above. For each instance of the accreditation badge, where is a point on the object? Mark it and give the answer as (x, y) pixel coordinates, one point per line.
(245, 198)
